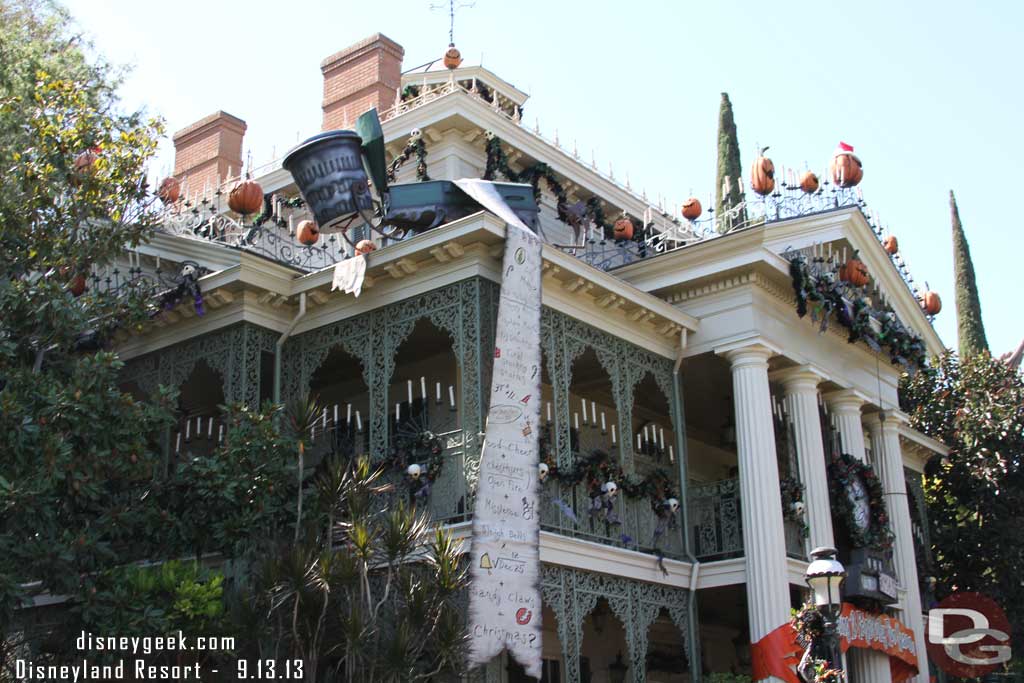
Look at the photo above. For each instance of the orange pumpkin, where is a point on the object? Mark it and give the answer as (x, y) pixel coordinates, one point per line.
(931, 303)
(623, 229)
(308, 232)
(245, 197)
(846, 169)
(452, 58)
(85, 161)
(762, 175)
(169, 190)
(77, 285)
(364, 247)
(692, 209)
(891, 245)
(855, 272)
(809, 182)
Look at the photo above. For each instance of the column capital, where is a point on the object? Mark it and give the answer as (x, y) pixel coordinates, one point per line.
(805, 377)
(886, 421)
(845, 400)
(748, 354)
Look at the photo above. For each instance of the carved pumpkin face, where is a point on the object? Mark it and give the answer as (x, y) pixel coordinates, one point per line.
(847, 170)
(623, 229)
(762, 176)
(452, 58)
(692, 209)
(245, 197)
(855, 272)
(170, 190)
(308, 233)
(891, 245)
(364, 247)
(931, 303)
(809, 182)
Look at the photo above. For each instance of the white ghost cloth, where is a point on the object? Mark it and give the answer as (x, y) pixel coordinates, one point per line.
(349, 274)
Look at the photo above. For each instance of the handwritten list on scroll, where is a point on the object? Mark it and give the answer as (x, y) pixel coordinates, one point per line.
(505, 606)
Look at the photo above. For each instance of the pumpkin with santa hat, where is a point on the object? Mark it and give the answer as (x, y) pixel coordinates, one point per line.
(846, 168)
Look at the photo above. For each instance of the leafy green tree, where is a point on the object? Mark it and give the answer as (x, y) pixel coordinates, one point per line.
(728, 165)
(970, 329)
(974, 405)
(75, 454)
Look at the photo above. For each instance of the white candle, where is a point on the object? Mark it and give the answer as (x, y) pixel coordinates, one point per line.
(220, 434)
(646, 437)
(583, 403)
(398, 413)
(408, 386)
(335, 414)
(423, 388)
(549, 411)
(177, 444)
(359, 422)
(603, 427)
(661, 439)
(613, 433)
(593, 411)
(209, 429)
(199, 425)
(576, 420)
(348, 414)
(671, 454)
(438, 392)
(324, 420)
(639, 443)
(451, 395)
(188, 429)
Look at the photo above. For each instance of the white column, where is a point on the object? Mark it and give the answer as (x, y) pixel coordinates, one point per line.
(866, 666)
(764, 542)
(801, 387)
(885, 443)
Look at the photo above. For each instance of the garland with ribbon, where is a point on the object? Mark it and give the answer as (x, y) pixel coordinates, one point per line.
(416, 146)
(841, 470)
(826, 296)
(422, 449)
(573, 215)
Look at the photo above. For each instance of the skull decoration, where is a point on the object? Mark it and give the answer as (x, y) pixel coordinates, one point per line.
(798, 508)
(673, 505)
(609, 489)
(489, 134)
(542, 470)
(415, 134)
(188, 270)
(414, 471)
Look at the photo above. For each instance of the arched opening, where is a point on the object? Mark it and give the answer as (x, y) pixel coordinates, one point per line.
(424, 423)
(343, 425)
(551, 655)
(655, 513)
(604, 645)
(666, 651)
(200, 425)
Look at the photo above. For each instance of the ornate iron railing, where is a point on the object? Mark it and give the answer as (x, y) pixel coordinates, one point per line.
(715, 517)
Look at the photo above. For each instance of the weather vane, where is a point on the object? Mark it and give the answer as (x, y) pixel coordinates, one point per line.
(452, 6)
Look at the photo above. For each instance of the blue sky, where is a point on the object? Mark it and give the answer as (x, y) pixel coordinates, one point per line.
(929, 93)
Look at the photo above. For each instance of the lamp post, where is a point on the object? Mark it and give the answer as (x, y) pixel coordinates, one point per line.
(825, 575)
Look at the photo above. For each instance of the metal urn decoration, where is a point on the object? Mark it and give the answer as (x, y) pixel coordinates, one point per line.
(328, 170)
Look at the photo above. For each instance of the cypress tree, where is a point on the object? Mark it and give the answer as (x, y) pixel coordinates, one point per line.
(728, 164)
(970, 329)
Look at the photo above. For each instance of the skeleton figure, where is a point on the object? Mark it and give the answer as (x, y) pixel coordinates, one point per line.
(542, 471)
(602, 503)
(666, 512)
(419, 483)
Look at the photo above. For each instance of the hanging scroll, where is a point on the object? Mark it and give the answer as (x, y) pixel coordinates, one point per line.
(505, 602)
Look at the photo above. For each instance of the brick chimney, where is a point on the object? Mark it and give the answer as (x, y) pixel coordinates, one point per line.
(367, 74)
(206, 150)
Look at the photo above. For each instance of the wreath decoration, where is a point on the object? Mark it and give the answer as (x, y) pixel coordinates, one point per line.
(793, 503)
(825, 296)
(842, 469)
(419, 457)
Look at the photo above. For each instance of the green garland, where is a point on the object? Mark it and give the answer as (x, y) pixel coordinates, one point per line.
(825, 297)
(417, 147)
(841, 470)
(599, 467)
(497, 164)
(793, 492)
